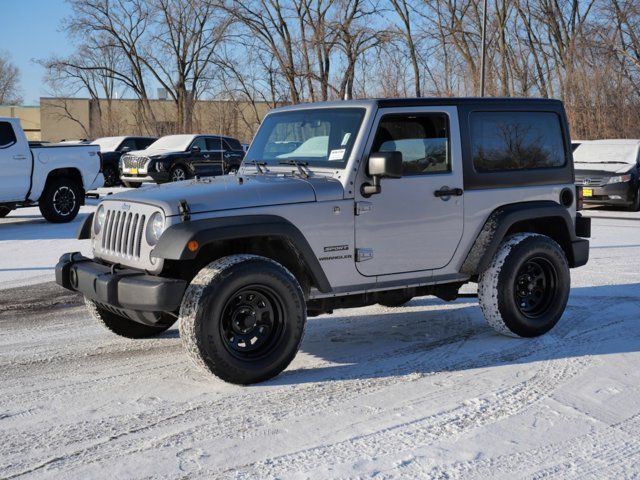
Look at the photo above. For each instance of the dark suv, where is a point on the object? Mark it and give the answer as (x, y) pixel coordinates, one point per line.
(608, 172)
(112, 148)
(179, 157)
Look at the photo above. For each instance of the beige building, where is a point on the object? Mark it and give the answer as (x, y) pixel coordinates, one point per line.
(29, 118)
(59, 119)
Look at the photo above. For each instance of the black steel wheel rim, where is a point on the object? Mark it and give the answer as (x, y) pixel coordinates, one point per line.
(252, 322)
(64, 201)
(535, 287)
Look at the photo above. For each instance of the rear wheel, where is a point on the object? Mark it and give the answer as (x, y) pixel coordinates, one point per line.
(123, 326)
(525, 290)
(60, 200)
(4, 211)
(242, 318)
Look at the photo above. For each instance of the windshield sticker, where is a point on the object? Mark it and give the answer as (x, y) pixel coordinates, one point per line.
(337, 154)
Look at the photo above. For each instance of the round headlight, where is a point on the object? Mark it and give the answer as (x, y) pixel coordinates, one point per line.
(98, 221)
(155, 227)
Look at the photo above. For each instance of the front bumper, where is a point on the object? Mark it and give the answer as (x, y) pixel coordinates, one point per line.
(611, 194)
(126, 289)
(155, 177)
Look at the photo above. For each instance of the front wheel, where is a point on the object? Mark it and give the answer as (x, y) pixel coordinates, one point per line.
(242, 318)
(525, 290)
(635, 206)
(179, 173)
(110, 176)
(60, 200)
(122, 326)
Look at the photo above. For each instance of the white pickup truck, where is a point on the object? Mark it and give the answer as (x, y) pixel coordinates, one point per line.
(54, 177)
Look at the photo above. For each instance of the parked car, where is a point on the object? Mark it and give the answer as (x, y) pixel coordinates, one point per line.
(112, 148)
(608, 172)
(54, 177)
(180, 157)
(382, 201)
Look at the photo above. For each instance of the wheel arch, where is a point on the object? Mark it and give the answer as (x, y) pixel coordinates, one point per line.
(266, 235)
(545, 217)
(69, 172)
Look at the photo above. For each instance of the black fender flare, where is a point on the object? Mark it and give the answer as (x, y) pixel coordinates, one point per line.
(503, 218)
(173, 242)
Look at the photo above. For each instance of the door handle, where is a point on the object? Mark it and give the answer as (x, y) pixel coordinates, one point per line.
(19, 157)
(448, 192)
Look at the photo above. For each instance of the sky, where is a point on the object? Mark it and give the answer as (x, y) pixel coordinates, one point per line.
(31, 30)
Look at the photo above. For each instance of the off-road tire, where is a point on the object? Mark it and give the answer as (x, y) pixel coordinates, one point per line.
(131, 184)
(111, 178)
(4, 211)
(218, 289)
(61, 199)
(510, 290)
(123, 326)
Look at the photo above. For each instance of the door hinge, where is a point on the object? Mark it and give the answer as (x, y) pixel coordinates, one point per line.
(363, 207)
(364, 254)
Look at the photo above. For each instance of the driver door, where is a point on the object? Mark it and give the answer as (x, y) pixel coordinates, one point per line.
(409, 226)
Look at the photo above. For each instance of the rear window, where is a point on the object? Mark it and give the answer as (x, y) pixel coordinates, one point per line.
(7, 135)
(516, 141)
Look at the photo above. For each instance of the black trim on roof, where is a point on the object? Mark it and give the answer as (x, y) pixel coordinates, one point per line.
(455, 101)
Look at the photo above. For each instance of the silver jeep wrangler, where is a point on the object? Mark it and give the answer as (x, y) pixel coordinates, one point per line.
(342, 205)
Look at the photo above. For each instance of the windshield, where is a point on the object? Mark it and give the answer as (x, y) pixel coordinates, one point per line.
(318, 137)
(605, 153)
(172, 142)
(108, 144)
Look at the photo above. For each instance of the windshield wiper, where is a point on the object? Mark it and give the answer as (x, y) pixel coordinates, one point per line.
(259, 166)
(299, 165)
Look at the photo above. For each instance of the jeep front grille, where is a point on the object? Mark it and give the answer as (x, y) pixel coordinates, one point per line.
(123, 233)
(122, 238)
(130, 161)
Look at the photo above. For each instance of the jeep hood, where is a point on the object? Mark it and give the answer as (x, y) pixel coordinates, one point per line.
(234, 191)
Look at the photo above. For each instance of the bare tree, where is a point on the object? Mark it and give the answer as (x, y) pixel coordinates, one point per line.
(9, 80)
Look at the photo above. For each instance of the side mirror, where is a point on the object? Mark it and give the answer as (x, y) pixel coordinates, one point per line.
(195, 149)
(382, 165)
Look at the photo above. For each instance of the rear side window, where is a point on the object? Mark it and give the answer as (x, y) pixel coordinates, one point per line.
(7, 135)
(233, 143)
(214, 144)
(516, 141)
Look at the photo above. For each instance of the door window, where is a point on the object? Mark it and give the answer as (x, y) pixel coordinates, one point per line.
(143, 143)
(130, 143)
(423, 140)
(199, 142)
(7, 135)
(214, 144)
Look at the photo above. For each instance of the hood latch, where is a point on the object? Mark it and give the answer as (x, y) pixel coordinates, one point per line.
(185, 210)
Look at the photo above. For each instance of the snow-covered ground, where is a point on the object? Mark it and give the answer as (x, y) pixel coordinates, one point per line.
(423, 391)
